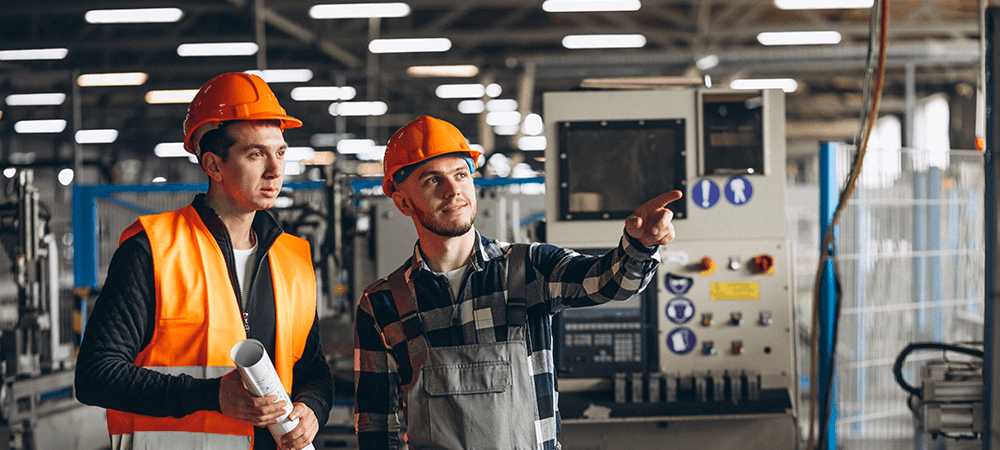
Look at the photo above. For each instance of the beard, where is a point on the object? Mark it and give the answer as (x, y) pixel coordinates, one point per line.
(443, 230)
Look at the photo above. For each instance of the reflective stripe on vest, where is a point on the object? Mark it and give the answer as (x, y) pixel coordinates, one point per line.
(198, 321)
(176, 439)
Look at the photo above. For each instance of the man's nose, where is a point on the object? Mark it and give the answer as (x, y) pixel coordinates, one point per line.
(275, 166)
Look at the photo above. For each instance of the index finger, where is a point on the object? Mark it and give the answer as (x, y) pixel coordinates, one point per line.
(664, 199)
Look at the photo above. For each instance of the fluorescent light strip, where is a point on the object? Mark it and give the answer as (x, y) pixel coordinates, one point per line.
(472, 90)
(355, 146)
(506, 130)
(96, 136)
(171, 96)
(299, 153)
(48, 99)
(112, 79)
(443, 71)
(144, 15)
(532, 143)
(323, 93)
(799, 38)
(533, 125)
(283, 75)
(218, 49)
(40, 126)
(785, 84)
(171, 150)
(579, 41)
(471, 106)
(498, 105)
(359, 11)
(707, 62)
(590, 5)
(33, 55)
(823, 4)
(418, 45)
(358, 109)
(504, 118)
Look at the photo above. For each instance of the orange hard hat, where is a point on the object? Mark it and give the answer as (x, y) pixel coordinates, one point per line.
(423, 138)
(232, 96)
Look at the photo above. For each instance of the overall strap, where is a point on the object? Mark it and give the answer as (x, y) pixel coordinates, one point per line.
(517, 302)
(406, 304)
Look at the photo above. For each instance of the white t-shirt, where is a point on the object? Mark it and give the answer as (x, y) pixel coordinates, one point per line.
(244, 265)
(455, 279)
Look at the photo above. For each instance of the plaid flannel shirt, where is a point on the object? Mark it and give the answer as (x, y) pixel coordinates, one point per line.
(555, 278)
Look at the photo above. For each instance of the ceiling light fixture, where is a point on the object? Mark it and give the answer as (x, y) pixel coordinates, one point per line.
(143, 15)
(501, 105)
(707, 62)
(464, 71)
(590, 5)
(532, 143)
(504, 118)
(799, 38)
(785, 84)
(471, 106)
(283, 75)
(358, 109)
(359, 11)
(171, 96)
(323, 93)
(823, 4)
(218, 49)
(586, 41)
(96, 136)
(471, 90)
(34, 54)
(112, 79)
(40, 126)
(417, 45)
(299, 153)
(171, 150)
(355, 146)
(47, 99)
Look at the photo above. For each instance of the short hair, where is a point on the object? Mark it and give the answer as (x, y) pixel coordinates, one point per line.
(219, 140)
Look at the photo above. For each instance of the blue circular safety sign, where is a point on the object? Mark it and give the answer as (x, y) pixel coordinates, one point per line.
(705, 193)
(681, 341)
(739, 190)
(680, 310)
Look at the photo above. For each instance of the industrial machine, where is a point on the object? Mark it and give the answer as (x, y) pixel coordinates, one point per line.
(948, 405)
(705, 358)
(37, 400)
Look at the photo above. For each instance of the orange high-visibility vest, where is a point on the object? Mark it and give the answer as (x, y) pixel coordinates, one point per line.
(198, 320)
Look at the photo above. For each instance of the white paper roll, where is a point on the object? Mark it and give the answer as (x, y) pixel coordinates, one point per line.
(262, 380)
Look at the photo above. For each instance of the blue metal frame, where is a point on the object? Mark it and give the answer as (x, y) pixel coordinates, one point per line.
(86, 255)
(828, 199)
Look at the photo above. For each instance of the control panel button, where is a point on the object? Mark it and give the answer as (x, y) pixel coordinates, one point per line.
(706, 319)
(708, 348)
(763, 264)
(736, 319)
(765, 318)
(737, 347)
(706, 266)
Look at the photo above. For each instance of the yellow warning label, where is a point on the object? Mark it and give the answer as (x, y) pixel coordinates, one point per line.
(748, 290)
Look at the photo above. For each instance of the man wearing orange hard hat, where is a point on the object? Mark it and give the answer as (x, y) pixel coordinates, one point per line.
(185, 286)
(460, 336)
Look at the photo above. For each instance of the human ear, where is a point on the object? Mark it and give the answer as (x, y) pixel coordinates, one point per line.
(210, 164)
(401, 203)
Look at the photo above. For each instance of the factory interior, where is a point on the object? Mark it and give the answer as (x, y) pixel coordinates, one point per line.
(828, 284)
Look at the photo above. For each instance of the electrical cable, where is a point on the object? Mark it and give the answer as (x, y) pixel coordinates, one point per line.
(897, 367)
(879, 12)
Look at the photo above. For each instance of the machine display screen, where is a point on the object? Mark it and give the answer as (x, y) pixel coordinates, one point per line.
(607, 169)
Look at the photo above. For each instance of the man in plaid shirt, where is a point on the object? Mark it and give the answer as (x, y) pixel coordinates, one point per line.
(443, 339)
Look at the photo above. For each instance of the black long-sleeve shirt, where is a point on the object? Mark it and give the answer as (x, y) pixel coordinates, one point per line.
(122, 324)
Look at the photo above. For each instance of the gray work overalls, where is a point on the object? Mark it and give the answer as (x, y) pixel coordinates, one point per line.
(478, 396)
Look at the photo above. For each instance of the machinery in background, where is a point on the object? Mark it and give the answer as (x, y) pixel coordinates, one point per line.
(37, 400)
(948, 405)
(705, 358)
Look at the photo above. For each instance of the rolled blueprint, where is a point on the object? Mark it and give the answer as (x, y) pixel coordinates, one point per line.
(262, 380)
